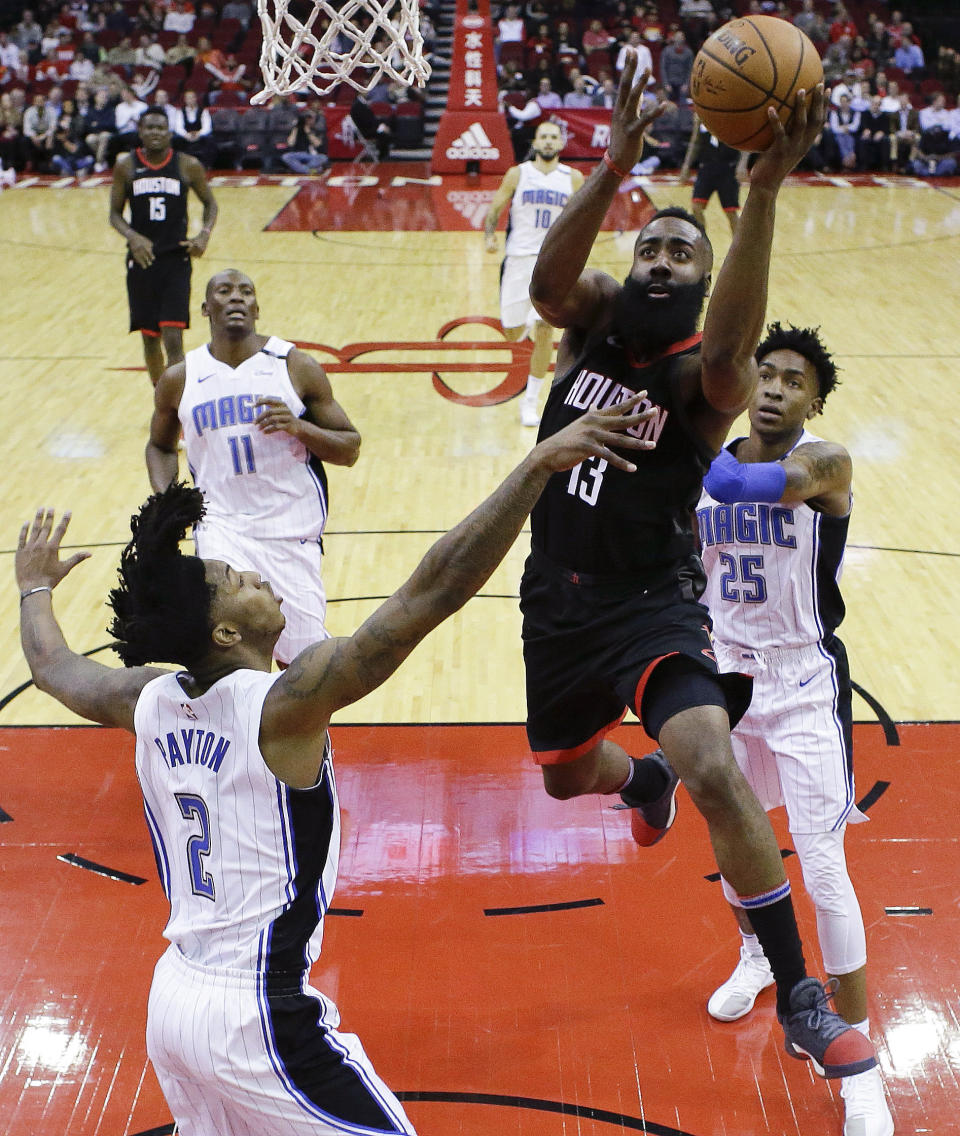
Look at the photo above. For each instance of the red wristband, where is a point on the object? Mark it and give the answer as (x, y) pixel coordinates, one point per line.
(608, 162)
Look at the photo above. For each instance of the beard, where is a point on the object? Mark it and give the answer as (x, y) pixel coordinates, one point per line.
(650, 325)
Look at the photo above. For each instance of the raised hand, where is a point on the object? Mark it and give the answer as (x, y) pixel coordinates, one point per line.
(627, 124)
(37, 562)
(790, 144)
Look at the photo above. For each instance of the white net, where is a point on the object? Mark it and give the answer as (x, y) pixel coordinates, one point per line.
(354, 41)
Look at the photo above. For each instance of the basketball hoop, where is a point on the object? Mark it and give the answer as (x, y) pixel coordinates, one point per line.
(383, 37)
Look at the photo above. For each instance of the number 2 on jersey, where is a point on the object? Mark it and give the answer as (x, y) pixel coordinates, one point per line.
(193, 807)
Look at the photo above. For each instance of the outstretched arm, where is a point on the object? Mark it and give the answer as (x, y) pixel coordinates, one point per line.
(735, 314)
(106, 695)
(337, 672)
(563, 290)
(818, 472)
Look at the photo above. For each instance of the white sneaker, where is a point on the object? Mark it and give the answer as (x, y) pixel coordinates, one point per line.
(529, 415)
(735, 998)
(864, 1105)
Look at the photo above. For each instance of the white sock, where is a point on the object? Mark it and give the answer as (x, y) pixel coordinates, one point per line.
(863, 1027)
(533, 388)
(752, 944)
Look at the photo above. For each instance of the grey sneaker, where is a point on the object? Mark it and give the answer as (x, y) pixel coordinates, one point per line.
(650, 821)
(812, 1030)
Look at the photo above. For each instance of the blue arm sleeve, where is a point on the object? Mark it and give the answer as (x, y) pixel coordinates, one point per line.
(728, 480)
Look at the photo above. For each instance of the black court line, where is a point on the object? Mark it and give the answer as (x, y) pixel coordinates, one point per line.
(537, 907)
(355, 912)
(871, 798)
(100, 869)
(908, 910)
(585, 1112)
(533, 1104)
(890, 734)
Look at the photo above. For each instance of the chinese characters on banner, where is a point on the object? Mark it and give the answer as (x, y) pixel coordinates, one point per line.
(472, 129)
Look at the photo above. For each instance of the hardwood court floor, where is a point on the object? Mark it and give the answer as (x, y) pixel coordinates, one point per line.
(595, 1007)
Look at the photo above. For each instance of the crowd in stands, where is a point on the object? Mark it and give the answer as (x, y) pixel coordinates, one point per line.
(892, 96)
(75, 76)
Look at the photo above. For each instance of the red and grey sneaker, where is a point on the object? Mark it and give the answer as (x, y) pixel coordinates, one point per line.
(650, 821)
(812, 1030)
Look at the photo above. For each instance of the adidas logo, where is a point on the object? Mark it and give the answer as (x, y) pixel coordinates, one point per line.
(472, 205)
(472, 145)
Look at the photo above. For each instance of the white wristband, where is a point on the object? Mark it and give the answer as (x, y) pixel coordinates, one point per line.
(33, 591)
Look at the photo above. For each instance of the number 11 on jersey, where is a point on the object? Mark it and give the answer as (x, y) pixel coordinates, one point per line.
(242, 462)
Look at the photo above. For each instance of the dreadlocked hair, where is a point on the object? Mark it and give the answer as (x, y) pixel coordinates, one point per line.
(804, 341)
(161, 604)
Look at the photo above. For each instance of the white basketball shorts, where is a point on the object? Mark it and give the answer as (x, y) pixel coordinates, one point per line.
(791, 743)
(291, 567)
(515, 307)
(234, 1060)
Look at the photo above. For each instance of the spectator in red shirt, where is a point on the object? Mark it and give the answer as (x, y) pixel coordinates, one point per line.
(539, 46)
(842, 25)
(596, 37)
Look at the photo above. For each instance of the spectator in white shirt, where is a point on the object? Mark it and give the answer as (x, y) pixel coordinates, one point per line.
(149, 53)
(178, 19)
(890, 103)
(12, 57)
(511, 28)
(644, 58)
(128, 112)
(936, 116)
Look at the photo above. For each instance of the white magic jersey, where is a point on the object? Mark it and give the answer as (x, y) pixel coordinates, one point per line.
(248, 864)
(268, 485)
(535, 206)
(773, 571)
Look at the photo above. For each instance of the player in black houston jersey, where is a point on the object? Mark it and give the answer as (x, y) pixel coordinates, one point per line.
(609, 594)
(155, 179)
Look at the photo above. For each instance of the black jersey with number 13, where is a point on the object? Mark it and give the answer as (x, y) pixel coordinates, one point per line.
(158, 201)
(601, 520)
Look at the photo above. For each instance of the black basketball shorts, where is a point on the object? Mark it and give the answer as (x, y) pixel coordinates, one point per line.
(159, 295)
(589, 650)
(720, 179)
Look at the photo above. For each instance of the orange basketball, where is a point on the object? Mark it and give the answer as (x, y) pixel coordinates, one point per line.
(746, 66)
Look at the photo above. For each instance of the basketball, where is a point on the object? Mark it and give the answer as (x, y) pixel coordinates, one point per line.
(745, 67)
